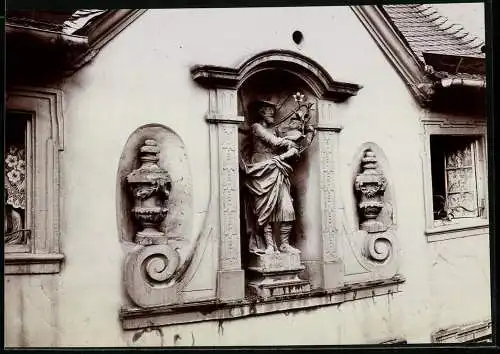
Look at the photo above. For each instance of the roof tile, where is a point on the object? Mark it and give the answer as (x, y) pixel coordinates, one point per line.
(426, 30)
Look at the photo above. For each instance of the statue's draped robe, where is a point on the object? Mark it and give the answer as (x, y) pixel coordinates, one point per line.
(267, 178)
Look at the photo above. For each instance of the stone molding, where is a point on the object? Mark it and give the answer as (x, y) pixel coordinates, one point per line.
(136, 318)
(307, 69)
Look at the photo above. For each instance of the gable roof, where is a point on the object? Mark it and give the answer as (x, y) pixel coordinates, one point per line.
(426, 30)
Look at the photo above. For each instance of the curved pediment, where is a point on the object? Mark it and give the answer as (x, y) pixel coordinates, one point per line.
(307, 69)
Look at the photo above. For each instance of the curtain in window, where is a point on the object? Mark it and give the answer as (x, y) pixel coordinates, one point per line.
(461, 190)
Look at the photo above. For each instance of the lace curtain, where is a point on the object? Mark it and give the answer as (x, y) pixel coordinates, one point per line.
(461, 193)
(15, 193)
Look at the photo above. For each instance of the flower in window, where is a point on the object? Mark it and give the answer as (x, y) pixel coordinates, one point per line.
(14, 176)
(11, 161)
(21, 166)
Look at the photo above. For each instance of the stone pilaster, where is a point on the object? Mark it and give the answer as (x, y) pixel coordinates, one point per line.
(327, 135)
(224, 120)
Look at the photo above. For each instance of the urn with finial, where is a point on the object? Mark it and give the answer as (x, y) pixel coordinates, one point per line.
(370, 184)
(150, 185)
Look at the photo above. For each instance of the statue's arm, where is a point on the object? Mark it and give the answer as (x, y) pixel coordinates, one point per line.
(289, 153)
(260, 132)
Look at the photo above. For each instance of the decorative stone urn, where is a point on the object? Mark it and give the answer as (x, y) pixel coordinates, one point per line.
(371, 184)
(150, 187)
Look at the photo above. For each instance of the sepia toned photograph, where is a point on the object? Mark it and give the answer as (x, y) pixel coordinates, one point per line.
(247, 176)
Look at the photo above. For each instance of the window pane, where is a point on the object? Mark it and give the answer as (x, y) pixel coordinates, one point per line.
(15, 180)
(461, 194)
(460, 180)
(454, 184)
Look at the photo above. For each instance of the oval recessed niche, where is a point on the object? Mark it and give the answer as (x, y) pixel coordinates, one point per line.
(173, 158)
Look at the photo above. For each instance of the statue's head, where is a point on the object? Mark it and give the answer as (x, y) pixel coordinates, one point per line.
(265, 110)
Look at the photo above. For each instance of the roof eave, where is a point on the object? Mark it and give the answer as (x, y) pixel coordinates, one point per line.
(37, 55)
(103, 30)
(48, 37)
(397, 51)
(55, 54)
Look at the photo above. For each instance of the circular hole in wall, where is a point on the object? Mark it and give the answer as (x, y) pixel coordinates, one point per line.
(297, 37)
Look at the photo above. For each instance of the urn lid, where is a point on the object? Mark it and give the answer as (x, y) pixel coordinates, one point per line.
(370, 172)
(149, 172)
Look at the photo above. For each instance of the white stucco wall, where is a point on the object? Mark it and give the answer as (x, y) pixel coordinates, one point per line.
(142, 76)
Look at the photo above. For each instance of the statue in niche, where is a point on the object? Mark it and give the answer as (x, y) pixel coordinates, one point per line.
(270, 151)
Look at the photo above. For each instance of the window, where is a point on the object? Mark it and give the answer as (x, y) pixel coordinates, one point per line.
(33, 143)
(17, 182)
(455, 172)
(455, 175)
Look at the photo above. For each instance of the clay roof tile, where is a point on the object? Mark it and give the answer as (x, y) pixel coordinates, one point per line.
(425, 29)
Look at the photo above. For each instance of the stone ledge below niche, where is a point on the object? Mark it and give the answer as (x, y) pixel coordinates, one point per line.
(136, 318)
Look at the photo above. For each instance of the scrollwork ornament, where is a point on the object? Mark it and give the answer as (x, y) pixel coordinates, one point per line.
(378, 247)
(151, 270)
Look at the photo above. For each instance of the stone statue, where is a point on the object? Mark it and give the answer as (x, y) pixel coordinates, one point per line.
(267, 175)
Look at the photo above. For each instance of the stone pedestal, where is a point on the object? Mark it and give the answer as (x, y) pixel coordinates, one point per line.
(276, 275)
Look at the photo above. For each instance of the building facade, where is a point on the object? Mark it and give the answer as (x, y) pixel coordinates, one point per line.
(152, 199)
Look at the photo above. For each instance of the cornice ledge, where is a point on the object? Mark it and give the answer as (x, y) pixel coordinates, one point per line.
(398, 53)
(210, 310)
(315, 75)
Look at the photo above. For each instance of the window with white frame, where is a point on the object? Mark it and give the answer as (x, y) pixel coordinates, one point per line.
(33, 145)
(455, 171)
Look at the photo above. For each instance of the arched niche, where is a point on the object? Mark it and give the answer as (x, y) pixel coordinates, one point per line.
(229, 88)
(280, 85)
